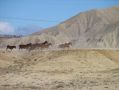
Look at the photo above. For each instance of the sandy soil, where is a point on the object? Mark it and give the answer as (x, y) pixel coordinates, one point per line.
(59, 70)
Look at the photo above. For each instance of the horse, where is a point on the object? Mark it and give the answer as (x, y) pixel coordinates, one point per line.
(25, 46)
(38, 45)
(65, 45)
(10, 47)
(45, 45)
(45, 42)
(34, 46)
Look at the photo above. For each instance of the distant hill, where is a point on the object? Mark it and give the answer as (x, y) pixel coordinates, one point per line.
(91, 29)
(10, 36)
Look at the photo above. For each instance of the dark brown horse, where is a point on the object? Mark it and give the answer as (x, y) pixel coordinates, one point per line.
(25, 46)
(34, 46)
(10, 47)
(65, 45)
(45, 44)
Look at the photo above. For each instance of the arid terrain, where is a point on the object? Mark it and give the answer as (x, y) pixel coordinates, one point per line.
(81, 69)
(57, 68)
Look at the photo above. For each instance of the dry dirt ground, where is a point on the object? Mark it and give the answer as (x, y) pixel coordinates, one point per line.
(59, 70)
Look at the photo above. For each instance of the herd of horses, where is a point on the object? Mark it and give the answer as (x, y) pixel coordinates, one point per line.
(42, 45)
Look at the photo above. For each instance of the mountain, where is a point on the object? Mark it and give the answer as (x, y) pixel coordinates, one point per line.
(10, 36)
(27, 30)
(98, 28)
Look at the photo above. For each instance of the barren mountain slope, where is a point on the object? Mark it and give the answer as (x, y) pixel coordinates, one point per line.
(91, 29)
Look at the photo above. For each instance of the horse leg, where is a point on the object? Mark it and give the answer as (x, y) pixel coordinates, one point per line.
(19, 48)
(6, 49)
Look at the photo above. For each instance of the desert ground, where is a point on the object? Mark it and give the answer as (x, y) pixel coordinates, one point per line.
(76, 69)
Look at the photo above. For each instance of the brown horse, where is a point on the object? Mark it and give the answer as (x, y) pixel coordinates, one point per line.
(65, 45)
(45, 42)
(10, 47)
(25, 46)
(34, 46)
(45, 45)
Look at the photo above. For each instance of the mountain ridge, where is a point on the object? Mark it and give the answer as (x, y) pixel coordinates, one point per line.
(97, 28)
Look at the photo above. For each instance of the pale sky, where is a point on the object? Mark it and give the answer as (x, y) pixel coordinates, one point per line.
(27, 16)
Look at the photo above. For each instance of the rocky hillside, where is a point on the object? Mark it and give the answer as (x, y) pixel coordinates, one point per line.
(91, 29)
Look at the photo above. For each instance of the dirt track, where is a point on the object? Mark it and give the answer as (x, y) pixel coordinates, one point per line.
(59, 70)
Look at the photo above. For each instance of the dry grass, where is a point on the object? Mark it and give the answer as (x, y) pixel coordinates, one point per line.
(59, 70)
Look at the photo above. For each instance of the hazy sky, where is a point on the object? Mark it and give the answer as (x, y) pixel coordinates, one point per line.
(27, 16)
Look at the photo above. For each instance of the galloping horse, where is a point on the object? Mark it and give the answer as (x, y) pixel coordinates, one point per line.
(65, 45)
(45, 44)
(25, 46)
(10, 47)
(34, 46)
